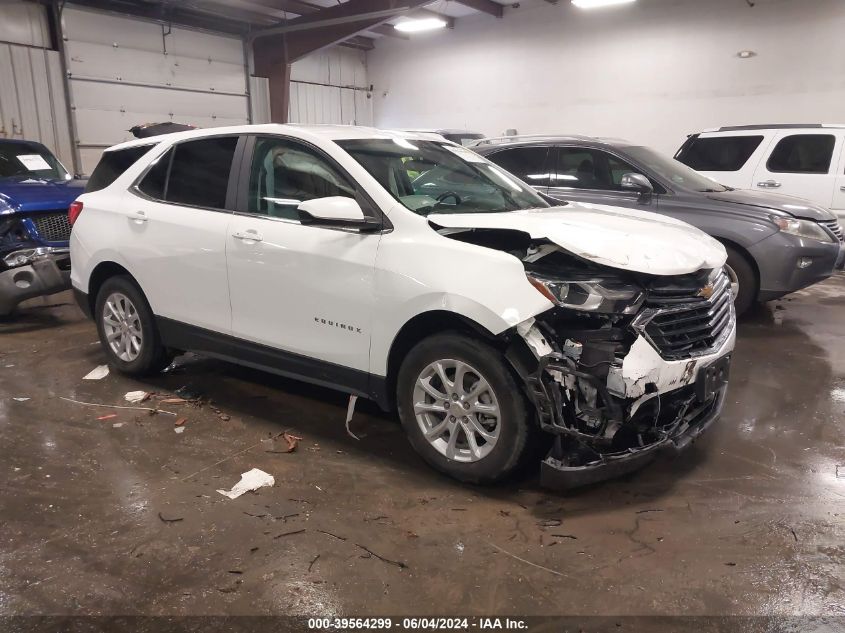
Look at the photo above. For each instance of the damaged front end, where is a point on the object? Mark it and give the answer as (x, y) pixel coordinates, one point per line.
(626, 363)
(30, 265)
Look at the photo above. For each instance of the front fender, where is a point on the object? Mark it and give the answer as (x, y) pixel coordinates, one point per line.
(435, 273)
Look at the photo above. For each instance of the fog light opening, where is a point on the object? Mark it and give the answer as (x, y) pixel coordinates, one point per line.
(23, 279)
(805, 262)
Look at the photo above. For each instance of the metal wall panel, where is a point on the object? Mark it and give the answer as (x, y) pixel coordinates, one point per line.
(24, 23)
(331, 87)
(259, 99)
(32, 99)
(126, 71)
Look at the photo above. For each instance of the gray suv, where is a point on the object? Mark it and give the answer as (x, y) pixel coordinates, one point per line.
(776, 244)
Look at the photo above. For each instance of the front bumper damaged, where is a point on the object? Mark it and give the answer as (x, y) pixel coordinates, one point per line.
(641, 404)
(43, 273)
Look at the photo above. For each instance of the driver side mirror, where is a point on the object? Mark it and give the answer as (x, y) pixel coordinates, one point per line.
(336, 212)
(638, 183)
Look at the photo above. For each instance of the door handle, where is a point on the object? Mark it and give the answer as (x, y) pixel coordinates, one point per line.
(842, 188)
(248, 236)
(768, 184)
(139, 217)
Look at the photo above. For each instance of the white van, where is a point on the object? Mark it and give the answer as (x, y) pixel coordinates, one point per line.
(803, 160)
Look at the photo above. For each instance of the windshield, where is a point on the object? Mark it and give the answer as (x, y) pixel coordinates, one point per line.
(23, 161)
(430, 177)
(673, 171)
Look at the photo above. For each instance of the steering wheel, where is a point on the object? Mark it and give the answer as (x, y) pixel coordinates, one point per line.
(448, 194)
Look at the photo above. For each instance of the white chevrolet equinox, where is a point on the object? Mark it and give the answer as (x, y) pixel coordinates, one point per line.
(409, 270)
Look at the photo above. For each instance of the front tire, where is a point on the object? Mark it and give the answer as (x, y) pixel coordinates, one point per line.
(743, 280)
(127, 328)
(462, 409)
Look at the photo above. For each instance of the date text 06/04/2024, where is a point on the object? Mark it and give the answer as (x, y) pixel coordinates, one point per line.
(417, 623)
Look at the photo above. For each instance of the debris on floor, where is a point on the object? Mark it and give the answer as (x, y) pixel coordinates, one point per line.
(164, 519)
(151, 410)
(291, 440)
(109, 416)
(181, 429)
(136, 396)
(98, 373)
(20, 399)
(250, 480)
(350, 411)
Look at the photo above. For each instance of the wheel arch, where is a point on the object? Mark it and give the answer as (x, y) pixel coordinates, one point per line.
(422, 326)
(749, 258)
(101, 273)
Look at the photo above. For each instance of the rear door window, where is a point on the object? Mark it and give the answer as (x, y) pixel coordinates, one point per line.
(199, 172)
(718, 153)
(113, 164)
(802, 154)
(531, 164)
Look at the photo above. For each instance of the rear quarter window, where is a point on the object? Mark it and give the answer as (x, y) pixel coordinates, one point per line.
(718, 153)
(112, 165)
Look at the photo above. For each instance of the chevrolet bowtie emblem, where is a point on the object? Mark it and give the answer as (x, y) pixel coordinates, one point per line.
(706, 291)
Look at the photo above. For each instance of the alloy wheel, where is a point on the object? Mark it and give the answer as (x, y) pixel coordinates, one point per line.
(122, 327)
(457, 410)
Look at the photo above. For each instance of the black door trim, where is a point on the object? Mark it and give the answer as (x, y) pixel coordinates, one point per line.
(186, 337)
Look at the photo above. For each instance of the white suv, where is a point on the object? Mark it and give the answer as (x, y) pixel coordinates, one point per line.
(804, 160)
(492, 321)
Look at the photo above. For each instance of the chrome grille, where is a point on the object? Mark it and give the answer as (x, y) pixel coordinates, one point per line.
(683, 327)
(834, 226)
(52, 227)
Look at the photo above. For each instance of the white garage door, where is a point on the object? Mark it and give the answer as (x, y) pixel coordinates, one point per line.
(125, 72)
(32, 93)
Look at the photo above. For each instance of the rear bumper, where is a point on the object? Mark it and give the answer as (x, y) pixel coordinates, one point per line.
(777, 259)
(44, 276)
(81, 299)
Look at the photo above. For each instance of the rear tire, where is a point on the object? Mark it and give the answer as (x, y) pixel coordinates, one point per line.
(127, 328)
(478, 427)
(742, 274)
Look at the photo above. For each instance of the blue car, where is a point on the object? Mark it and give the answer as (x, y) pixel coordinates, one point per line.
(35, 193)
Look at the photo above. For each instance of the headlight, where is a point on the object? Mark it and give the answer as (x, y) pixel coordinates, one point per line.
(21, 258)
(802, 228)
(590, 295)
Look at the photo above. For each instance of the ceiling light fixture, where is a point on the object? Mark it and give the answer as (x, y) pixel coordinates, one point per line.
(416, 25)
(595, 4)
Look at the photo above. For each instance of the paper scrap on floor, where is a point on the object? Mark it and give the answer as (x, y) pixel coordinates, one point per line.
(250, 480)
(97, 373)
(135, 396)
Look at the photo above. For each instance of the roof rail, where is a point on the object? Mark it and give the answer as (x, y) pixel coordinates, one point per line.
(775, 126)
(495, 140)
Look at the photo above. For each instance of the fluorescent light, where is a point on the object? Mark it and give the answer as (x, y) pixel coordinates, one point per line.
(420, 24)
(595, 4)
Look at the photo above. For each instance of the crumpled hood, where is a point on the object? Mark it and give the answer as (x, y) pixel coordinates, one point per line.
(796, 207)
(612, 236)
(38, 195)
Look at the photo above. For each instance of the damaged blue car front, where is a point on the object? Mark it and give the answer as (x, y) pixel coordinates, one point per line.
(35, 193)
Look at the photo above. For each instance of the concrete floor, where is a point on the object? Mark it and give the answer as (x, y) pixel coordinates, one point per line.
(748, 521)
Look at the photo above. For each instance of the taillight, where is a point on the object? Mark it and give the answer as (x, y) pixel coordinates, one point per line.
(73, 211)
